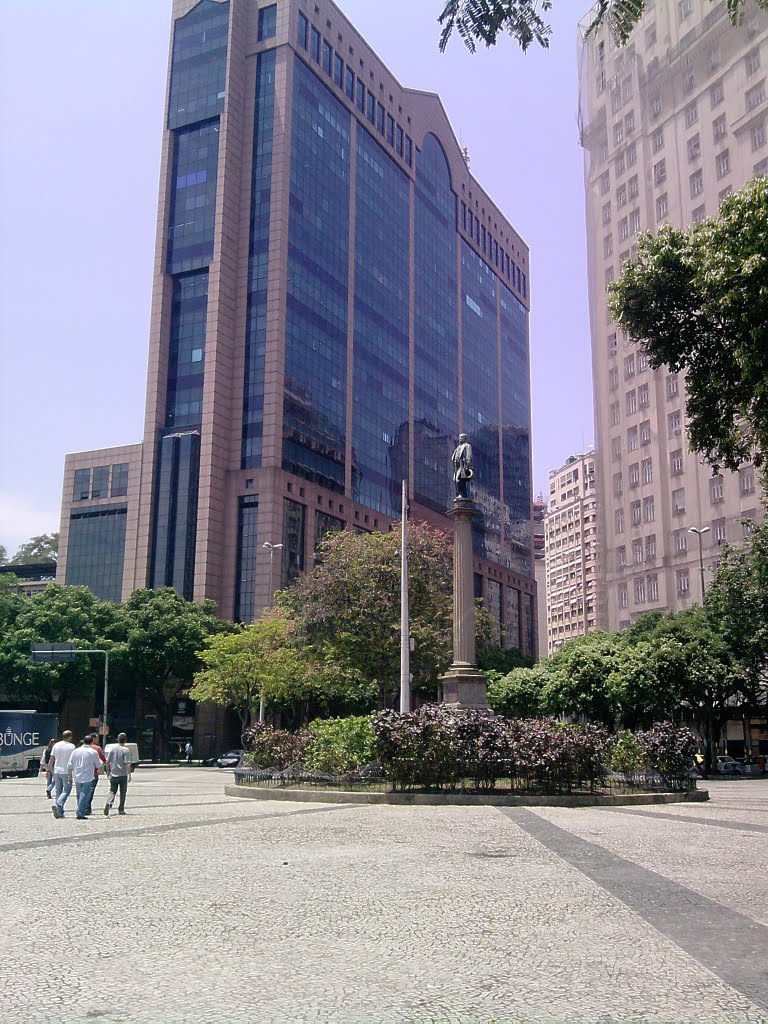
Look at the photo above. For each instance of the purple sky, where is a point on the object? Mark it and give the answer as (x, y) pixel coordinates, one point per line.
(81, 102)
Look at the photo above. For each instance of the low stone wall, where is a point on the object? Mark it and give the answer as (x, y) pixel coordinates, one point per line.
(326, 796)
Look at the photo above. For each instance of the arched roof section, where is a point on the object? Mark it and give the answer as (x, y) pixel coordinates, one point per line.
(432, 161)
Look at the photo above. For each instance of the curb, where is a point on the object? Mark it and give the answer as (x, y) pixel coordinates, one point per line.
(462, 800)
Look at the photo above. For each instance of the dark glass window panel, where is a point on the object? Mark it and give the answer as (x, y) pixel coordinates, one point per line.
(82, 488)
(247, 556)
(258, 263)
(390, 130)
(338, 70)
(175, 519)
(193, 199)
(349, 83)
(477, 580)
(186, 350)
(436, 382)
(380, 415)
(325, 524)
(464, 216)
(100, 482)
(303, 33)
(327, 56)
(315, 45)
(408, 150)
(293, 542)
(380, 118)
(360, 96)
(370, 108)
(399, 140)
(119, 480)
(492, 602)
(96, 550)
(512, 619)
(267, 22)
(198, 64)
(314, 413)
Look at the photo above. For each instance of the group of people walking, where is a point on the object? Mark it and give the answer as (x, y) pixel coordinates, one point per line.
(66, 765)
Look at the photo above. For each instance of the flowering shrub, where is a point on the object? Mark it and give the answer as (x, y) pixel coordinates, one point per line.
(338, 745)
(669, 749)
(275, 748)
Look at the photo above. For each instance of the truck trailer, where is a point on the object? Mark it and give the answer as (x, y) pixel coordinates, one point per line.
(24, 735)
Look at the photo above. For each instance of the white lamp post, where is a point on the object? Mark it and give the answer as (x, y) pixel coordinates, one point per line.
(700, 533)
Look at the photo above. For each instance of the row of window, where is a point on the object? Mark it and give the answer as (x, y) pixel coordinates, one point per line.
(322, 52)
(495, 253)
(101, 482)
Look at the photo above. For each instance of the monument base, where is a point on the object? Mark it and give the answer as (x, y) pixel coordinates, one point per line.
(463, 686)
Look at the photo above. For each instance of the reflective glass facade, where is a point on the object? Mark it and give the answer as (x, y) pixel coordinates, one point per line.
(325, 524)
(515, 437)
(258, 263)
(314, 431)
(294, 517)
(186, 357)
(247, 553)
(199, 64)
(436, 379)
(380, 418)
(176, 489)
(96, 550)
(193, 198)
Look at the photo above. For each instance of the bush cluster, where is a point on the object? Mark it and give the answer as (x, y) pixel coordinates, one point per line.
(275, 748)
(331, 745)
(669, 749)
(438, 748)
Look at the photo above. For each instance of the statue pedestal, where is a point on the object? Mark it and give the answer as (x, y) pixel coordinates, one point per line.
(463, 686)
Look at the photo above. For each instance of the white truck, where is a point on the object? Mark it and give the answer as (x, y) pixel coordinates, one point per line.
(24, 735)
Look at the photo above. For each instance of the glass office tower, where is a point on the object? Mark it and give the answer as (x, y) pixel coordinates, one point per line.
(335, 299)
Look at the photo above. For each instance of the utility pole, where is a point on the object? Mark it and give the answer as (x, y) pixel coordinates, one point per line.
(700, 533)
(405, 640)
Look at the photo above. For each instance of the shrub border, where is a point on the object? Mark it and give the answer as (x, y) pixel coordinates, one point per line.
(313, 795)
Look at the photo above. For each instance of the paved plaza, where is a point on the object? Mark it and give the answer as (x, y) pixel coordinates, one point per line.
(195, 907)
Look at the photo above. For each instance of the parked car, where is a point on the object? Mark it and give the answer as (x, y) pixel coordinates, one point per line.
(727, 765)
(231, 759)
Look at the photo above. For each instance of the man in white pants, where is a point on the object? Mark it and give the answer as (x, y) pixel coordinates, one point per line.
(119, 766)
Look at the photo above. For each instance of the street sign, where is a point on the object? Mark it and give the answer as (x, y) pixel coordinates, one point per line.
(52, 652)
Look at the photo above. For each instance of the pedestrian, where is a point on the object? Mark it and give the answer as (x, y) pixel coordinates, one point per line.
(120, 768)
(188, 751)
(101, 768)
(45, 769)
(58, 766)
(83, 765)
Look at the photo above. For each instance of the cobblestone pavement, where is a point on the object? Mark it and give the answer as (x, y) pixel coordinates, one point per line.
(235, 911)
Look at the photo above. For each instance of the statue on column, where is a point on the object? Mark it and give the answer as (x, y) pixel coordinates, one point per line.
(462, 467)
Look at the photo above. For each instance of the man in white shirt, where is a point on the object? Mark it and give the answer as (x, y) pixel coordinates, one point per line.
(58, 765)
(120, 766)
(84, 763)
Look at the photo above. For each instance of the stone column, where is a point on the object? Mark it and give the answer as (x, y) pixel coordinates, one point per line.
(463, 686)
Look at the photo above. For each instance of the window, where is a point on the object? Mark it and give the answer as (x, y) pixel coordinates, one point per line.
(623, 229)
(631, 402)
(716, 490)
(719, 531)
(338, 70)
(716, 94)
(689, 80)
(678, 500)
(674, 423)
(605, 183)
(639, 590)
(642, 362)
(315, 45)
(267, 22)
(655, 106)
(635, 511)
(327, 56)
(370, 107)
(621, 594)
(632, 187)
(349, 84)
(683, 581)
(618, 133)
(360, 96)
(608, 276)
(660, 172)
(723, 163)
(699, 214)
(82, 488)
(715, 57)
(752, 61)
(653, 587)
(647, 471)
(650, 35)
(645, 432)
(608, 246)
(676, 462)
(760, 170)
(616, 449)
(303, 34)
(747, 480)
(672, 385)
(684, 9)
(650, 547)
(399, 140)
(629, 366)
(615, 414)
(649, 510)
(657, 139)
(626, 89)
(634, 474)
(100, 482)
(662, 206)
(119, 480)
(631, 155)
(391, 131)
(696, 182)
(619, 165)
(643, 396)
(694, 147)
(618, 520)
(691, 114)
(408, 150)
(681, 541)
(634, 222)
(613, 378)
(621, 196)
(618, 484)
(380, 118)
(747, 522)
(755, 96)
(621, 555)
(758, 135)
(607, 213)
(629, 122)
(633, 439)
(615, 100)
(612, 345)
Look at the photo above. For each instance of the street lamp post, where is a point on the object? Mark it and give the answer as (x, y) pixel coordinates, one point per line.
(700, 533)
(272, 549)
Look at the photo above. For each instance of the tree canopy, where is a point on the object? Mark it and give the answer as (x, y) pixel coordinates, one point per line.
(484, 21)
(697, 301)
(38, 549)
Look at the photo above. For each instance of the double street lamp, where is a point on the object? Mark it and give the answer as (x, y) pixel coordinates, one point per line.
(272, 549)
(700, 533)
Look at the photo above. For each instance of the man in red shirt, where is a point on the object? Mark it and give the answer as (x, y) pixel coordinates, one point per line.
(103, 768)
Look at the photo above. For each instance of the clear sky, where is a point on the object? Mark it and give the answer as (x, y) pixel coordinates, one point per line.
(81, 103)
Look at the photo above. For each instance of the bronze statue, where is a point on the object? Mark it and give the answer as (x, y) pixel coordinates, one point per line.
(462, 466)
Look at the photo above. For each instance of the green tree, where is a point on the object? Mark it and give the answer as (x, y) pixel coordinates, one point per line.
(578, 673)
(518, 694)
(161, 634)
(484, 21)
(697, 302)
(38, 549)
(3, 555)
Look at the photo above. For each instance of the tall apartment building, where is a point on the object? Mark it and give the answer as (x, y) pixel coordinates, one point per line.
(335, 298)
(670, 124)
(540, 571)
(570, 550)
